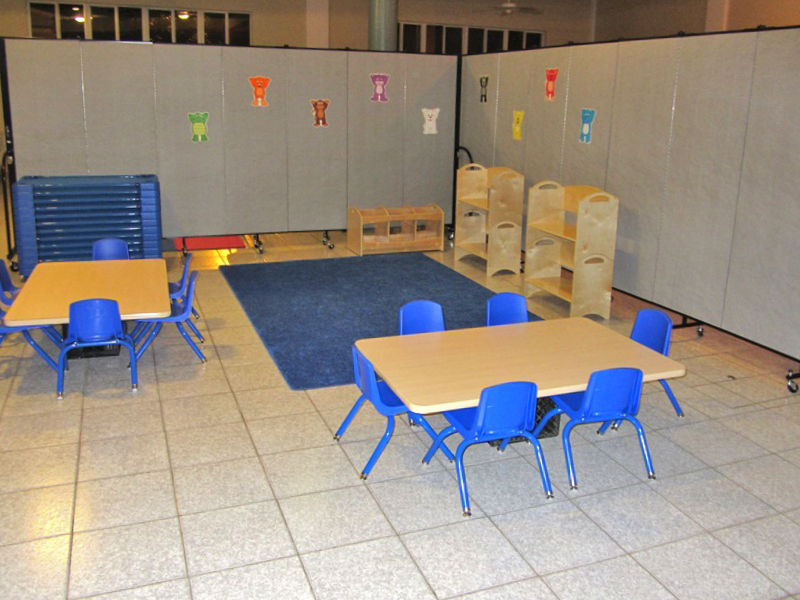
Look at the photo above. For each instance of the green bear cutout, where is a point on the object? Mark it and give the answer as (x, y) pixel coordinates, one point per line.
(199, 128)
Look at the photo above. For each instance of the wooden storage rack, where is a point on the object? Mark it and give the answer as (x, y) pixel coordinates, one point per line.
(407, 229)
(489, 207)
(571, 227)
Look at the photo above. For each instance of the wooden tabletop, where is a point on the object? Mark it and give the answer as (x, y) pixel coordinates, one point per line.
(433, 372)
(139, 286)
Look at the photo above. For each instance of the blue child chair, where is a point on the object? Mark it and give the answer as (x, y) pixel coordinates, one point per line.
(611, 395)
(94, 322)
(506, 308)
(8, 291)
(505, 411)
(110, 249)
(385, 402)
(178, 289)
(421, 316)
(653, 328)
(181, 313)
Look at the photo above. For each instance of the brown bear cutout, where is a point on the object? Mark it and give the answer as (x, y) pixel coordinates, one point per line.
(319, 107)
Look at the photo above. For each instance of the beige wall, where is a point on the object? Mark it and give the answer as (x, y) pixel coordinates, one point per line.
(746, 14)
(648, 18)
(349, 23)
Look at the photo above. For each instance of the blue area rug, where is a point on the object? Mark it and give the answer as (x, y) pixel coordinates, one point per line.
(308, 313)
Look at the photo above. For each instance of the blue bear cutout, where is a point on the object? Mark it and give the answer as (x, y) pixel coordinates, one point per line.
(587, 119)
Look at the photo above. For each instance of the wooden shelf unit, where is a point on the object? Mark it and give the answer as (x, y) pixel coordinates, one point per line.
(489, 209)
(383, 230)
(571, 227)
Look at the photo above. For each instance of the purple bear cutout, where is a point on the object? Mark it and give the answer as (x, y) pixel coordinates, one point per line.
(379, 81)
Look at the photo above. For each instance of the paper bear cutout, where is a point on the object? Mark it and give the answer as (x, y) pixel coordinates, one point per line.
(550, 83)
(260, 85)
(587, 120)
(484, 87)
(518, 116)
(379, 81)
(318, 110)
(199, 127)
(429, 124)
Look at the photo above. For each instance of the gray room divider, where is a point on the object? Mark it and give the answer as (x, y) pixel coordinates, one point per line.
(697, 137)
(246, 163)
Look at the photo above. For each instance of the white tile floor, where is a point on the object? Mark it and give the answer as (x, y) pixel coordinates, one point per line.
(217, 482)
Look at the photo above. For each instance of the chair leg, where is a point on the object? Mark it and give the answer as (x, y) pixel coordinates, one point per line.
(349, 418)
(54, 336)
(537, 446)
(387, 435)
(672, 398)
(545, 419)
(420, 420)
(196, 332)
(438, 442)
(195, 314)
(573, 482)
(62, 366)
(39, 350)
(190, 341)
(462, 478)
(134, 372)
(148, 340)
(648, 461)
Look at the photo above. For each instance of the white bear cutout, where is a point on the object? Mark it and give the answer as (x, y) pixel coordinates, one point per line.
(429, 125)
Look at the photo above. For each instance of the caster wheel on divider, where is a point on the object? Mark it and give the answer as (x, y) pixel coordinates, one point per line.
(331, 245)
(14, 266)
(792, 386)
(700, 331)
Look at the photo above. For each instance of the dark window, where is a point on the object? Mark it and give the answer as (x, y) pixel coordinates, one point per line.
(186, 26)
(214, 28)
(515, 39)
(533, 40)
(494, 40)
(130, 24)
(453, 43)
(475, 41)
(239, 29)
(160, 26)
(102, 20)
(411, 38)
(43, 21)
(72, 20)
(434, 39)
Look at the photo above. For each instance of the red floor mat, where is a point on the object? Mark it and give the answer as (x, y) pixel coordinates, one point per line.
(211, 242)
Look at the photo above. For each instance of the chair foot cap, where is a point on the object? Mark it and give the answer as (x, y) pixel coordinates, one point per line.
(466, 514)
(550, 495)
(363, 476)
(336, 438)
(135, 387)
(59, 395)
(681, 415)
(651, 475)
(573, 487)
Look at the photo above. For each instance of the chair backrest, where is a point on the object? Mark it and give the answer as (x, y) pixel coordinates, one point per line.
(505, 410)
(94, 320)
(5, 280)
(421, 316)
(110, 249)
(189, 298)
(367, 382)
(653, 328)
(612, 394)
(184, 281)
(506, 308)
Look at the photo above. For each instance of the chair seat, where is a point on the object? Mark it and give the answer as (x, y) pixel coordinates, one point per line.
(570, 403)
(392, 403)
(463, 420)
(174, 287)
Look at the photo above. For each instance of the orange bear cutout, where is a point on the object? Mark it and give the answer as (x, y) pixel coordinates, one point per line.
(260, 85)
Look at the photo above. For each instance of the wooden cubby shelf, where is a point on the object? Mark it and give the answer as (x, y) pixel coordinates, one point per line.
(383, 230)
(489, 208)
(575, 228)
